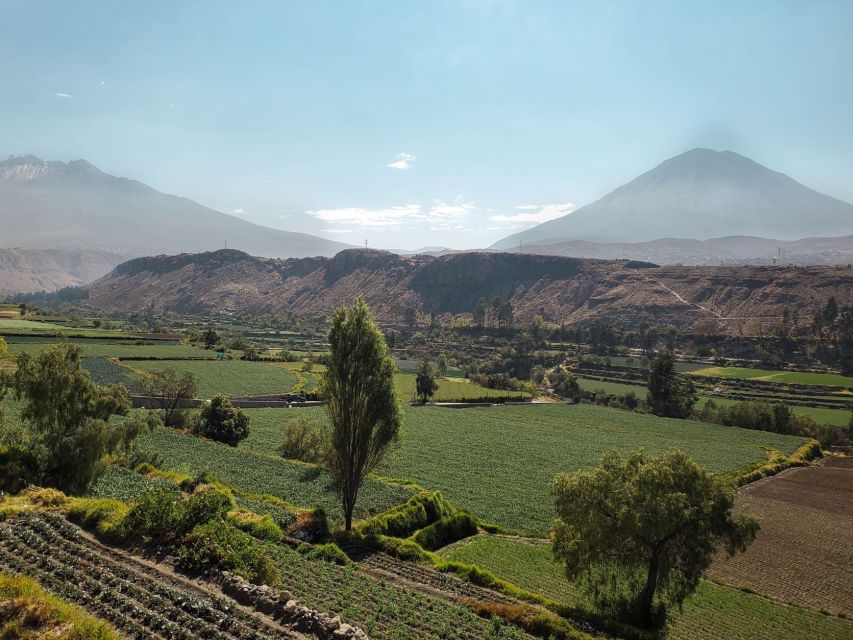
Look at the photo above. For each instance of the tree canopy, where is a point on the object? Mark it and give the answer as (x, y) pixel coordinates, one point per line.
(638, 532)
(358, 386)
(425, 384)
(668, 395)
(65, 428)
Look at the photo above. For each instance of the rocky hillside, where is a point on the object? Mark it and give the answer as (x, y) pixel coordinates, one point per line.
(739, 299)
(26, 270)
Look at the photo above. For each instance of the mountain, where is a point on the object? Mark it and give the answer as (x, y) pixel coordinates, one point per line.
(74, 205)
(740, 299)
(699, 194)
(26, 270)
(731, 250)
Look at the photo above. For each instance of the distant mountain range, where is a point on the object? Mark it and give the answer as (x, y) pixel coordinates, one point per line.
(739, 299)
(74, 205)
(700, 194)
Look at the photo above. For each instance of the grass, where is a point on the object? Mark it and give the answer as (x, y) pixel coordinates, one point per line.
(617, 388)
(299, 484)
(713, 612)
(120, 483)
(784, 377)
(231, 377)
(30, 612)
(450, 389)
(497, 462)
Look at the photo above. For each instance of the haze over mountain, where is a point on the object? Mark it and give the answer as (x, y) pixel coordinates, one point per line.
(74, 205)
(700, 194)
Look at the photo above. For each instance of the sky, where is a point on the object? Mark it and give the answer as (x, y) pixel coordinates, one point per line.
(424, 123)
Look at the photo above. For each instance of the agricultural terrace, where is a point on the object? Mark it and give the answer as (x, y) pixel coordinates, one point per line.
(784, 377)
(230, 377)
(804, 551)
(714, 612)
(17, 326)
(498, 462)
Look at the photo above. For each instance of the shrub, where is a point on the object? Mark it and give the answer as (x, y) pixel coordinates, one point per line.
(221, 421)
(402, 521)
(448, 529)
(305, 439)
(534, 620)
(45, 497)
(156, 515)
(222, 545)
(18, 468)
(204, 505)
(261, 527)
(330, 552)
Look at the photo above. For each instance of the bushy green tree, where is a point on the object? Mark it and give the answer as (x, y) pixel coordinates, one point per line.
(5, 354)
(638, 533)
(668, 395)
(358, 386)
(171, 391)
(441, 365)
(306, 439)
(565, 385)
(425, 384)
(65, 424)
(211, 339)
(221, 421)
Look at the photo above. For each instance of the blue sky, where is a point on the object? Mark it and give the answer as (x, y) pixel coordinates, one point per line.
(424, 123)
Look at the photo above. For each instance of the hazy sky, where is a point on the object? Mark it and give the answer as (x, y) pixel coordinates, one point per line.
(424, 123)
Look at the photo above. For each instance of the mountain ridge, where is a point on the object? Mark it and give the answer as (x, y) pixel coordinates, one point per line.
(696, 195)
(227, 282)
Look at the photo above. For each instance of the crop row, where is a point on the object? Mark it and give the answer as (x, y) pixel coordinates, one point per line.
(384, 609)
(134, 599)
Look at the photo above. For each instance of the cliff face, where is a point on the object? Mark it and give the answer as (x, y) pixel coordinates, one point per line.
(739, 299)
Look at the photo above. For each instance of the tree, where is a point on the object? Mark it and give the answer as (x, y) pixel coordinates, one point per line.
(638, 533)
(211, 339)
(170, 391)
(668, 395)
(5, 354)
(441, 364)
(537, 329)
(565, 385)
(358, 386)
(65, 425)
(410, 317)
(480, 312)
(425, 384)
(221, 421)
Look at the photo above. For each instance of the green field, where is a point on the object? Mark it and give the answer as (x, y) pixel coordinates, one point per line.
(617, 388)
(411, 366)
(166, 350)
(300, 484)
(231, 377)
(784, 377)
(497, 462)
(450, 390)
(712, 613)
(37, 327)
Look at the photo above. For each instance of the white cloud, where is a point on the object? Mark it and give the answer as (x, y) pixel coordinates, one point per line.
(368, 217)
(339, 230)
(440, 212)
(59, 94)
(403, 161)
(537, 213)
(238, 211)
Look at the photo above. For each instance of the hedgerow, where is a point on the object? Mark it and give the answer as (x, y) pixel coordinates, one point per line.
(446, 530)
(402, 521)
(261, 527)
(218, 543)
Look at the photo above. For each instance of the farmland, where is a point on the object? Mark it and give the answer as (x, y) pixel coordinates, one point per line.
(37, 327)
(714, 612)
(784, 377)
(477, 457)
(124, 350)
(804, 551)
(246, 470)
(450, 390)
(230, 377)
